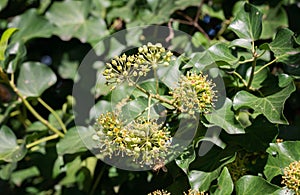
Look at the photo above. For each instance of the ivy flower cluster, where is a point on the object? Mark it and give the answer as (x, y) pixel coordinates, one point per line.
(145, 141)
(194, 94)
(131, 68)
(190, 192)
(291, 176)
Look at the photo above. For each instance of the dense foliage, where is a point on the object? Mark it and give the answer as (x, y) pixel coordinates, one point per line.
(237, 76)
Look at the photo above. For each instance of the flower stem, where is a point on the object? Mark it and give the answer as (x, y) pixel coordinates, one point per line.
(44, 139)
(27, 104)
(266, 65)
(54, 114)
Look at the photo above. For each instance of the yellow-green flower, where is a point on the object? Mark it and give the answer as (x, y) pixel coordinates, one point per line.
(145, 141)
(291, 177)
(194, 93)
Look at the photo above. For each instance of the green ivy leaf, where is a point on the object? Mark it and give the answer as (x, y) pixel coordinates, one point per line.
(243, 43)
(254, 185)
(34, 79)
(31, 25)
(224, 118)
(4, 41)
(7, 170)
(71, 143)
(222, 52)
(280, 156)
(225, 184)
(21, 175)
(71, 170)
(185, 159)
(10, 151)
(201, 180)
(72, 21)
(270, 106)
(273, 18)
(248, 23)
(285, 48)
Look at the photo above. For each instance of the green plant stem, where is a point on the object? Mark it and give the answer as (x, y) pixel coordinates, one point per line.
(156, 96)
(54, 114)
(252, 73)
(38, 116)
(245, 61)
(266, 65)
(28, 106)
(92, 192)
(44, 139)
(240, 77)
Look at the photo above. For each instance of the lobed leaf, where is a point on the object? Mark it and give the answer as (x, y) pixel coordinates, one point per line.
(270, 106)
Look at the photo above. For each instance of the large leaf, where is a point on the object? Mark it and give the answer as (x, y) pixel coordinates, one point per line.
(285, 48)
(225, 184)
(72, 142)
(72, 21)
(270, 106)
(254, 185)
(224, 117)
(10, 151)
(248, 23)
(280, 156)
(31, 25)
(34, 79)
(4, 40)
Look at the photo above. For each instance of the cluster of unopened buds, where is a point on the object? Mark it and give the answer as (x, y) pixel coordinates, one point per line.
(131, 68)
(194, 93)
(291, 177)
(146, 141)
(164, 192)
(143, 139)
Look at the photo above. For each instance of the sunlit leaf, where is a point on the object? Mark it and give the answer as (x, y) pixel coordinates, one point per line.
(225, 184)
(10, 151)
(34, 79)
(4, 41)
(254, 185)
(71, 143)
(248, 23)
(280, 156)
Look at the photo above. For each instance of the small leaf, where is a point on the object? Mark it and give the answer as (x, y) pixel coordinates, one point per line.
(185, 159)
(31, 25)
(34, 79)
(270, 106)
(7, 170)
(224, 118)
(243, 43)
(254, 185)
(280, 156)
(221, 52)
(201, 180)
(258, 78)
(10, 151)
(19, 176)
(285, 48)
(71, 143)
(225, 184)
(248, 23)
(4, 41)
(284, 80)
